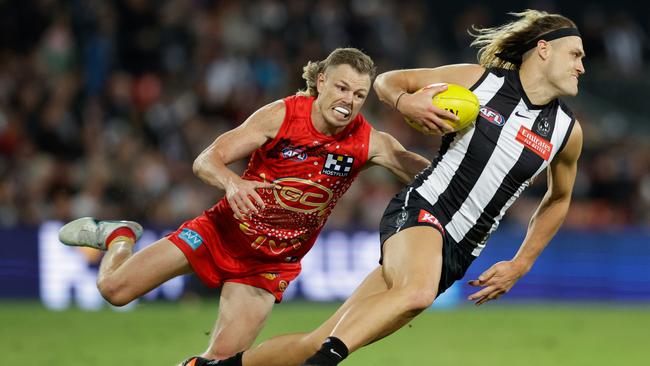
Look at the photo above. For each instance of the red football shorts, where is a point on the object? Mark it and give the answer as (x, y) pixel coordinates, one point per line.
(215, 261)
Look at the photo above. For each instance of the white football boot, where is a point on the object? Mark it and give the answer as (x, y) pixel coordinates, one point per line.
(88, 232)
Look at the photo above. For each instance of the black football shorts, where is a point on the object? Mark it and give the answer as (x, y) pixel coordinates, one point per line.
(408, 209)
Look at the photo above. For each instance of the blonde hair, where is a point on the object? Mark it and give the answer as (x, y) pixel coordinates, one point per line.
(508, 40)
(358, 60)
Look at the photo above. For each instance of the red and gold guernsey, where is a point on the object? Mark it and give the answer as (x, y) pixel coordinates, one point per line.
(311, 172)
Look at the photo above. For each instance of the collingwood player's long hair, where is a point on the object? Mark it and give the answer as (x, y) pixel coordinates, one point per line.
(504, 46)
(358, 60)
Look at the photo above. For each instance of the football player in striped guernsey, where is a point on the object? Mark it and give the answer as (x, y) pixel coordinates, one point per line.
(435, 227)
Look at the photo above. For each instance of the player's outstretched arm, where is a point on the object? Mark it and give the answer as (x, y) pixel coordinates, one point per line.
(546, 221)
(211, 165)
(386, 151)
(397, 89)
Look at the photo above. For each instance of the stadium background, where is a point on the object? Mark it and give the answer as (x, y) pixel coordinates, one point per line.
(104, 105)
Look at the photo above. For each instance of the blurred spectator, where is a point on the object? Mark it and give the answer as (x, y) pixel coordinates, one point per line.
(624, 40)
(104, 105)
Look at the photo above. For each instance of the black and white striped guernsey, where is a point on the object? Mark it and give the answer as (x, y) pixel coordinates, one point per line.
(482, 170)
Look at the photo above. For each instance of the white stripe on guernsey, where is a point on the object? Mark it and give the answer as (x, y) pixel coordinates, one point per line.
(406, 203)
(488, 88)
(441, 176)
(562, 123)
(503, 158)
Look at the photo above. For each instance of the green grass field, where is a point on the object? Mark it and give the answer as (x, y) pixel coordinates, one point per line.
(162, 334)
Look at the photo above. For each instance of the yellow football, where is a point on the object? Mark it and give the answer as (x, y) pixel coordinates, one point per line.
(456, 99)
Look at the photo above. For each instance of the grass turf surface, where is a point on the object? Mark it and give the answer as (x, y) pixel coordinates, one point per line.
(163, 334)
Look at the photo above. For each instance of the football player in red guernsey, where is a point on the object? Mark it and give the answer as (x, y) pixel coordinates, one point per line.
(305, 151)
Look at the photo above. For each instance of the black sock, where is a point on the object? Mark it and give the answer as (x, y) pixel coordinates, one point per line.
(330, 353)
(231, 361)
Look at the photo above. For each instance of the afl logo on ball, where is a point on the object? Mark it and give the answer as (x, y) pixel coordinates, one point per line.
(492, 116)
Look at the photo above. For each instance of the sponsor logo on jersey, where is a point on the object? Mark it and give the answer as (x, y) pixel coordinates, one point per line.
(521, 115)
(283, 285)
(294, 153)
(534, 143)
(301, 195)
(269, 276)
(191, 237)
(276, 246)
(338, 165)
(428, 218)
(246, 228)
(492, 116)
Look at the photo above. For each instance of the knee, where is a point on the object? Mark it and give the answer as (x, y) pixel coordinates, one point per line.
(416, 299)
(114, 291)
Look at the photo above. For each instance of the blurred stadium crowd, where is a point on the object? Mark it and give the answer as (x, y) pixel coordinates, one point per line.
(105, 104)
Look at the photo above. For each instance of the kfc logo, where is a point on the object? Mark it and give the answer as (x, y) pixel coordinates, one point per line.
(428, 218)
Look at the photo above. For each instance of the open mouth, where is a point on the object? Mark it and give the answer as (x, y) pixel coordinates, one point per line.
(342, 111)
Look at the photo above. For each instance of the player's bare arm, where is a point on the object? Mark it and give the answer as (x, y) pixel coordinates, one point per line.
(234, 145)
(397, 89)
(546, 221)
(386, 151)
